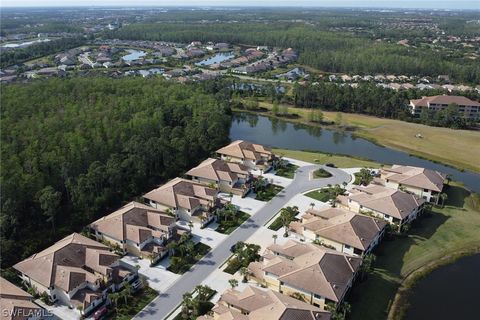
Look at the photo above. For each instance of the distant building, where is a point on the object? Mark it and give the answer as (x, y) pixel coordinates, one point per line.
(467, 107)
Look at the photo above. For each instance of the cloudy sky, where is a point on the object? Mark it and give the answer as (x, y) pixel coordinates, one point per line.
(439, 4)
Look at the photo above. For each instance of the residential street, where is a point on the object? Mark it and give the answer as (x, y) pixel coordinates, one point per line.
(167, 301)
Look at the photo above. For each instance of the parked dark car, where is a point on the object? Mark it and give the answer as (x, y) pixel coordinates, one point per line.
(331, 165)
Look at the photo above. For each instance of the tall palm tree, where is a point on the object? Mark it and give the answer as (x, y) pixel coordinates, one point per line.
(244, 273)
(274, 236)
(312, 204)
(444, 197)
(190, 225)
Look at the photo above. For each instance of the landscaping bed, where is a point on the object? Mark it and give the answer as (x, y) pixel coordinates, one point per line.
(268, 193)
(228, 226)
(287, 172)
(321, 173)
(200, 250)
(135, 304)
(326, 194)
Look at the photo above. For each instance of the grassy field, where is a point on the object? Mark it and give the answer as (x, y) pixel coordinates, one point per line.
(323, 158)
(444, 232)
(452, 147)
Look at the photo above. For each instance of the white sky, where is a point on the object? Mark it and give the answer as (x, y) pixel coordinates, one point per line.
(433, 4)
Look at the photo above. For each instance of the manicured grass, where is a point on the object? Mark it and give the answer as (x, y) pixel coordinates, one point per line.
(320, 195)
(227, 227)
(453, 147)
(135, 304)
(443, 232)
(287, 172)
(323, 158)
(200, 250)
(321, 173)
(277, 224)
(270, 191)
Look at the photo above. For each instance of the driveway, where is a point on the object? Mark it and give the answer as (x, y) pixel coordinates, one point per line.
(170, 299)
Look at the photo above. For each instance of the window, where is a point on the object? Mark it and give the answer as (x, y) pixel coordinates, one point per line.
(387, 216)
(317, 296)
(347, 246)
(425, 190)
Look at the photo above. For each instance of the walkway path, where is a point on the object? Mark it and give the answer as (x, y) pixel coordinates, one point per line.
(169, 300)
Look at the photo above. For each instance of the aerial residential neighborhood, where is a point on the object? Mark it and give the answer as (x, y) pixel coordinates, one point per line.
(239, 160)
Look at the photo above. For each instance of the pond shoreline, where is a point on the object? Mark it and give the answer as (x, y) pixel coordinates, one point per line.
(400, 302)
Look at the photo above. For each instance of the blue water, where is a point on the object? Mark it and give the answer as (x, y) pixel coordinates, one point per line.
(282, 134)
(219, 57)
(133, 55)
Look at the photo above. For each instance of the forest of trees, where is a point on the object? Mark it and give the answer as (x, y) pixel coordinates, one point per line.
(325, 50)
(73, 150)
(37, 50)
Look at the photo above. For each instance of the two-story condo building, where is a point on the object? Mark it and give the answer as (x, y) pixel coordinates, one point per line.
(466, 107)
(256, 304)
(138, 229)
(254, 156)
(319, 274)
(425, 183)
(389, 204)
(343, 230)
(16, 304)
(188, 200)
(75, 271)
(226, 176)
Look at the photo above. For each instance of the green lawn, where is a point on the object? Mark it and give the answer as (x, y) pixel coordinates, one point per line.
(135, 304)
(443, 232)
(321, 173)
(323, 158)
(287, 172)
(320, 195)
(200, 250)
(227, 227)
(270, 191)
(277, 224)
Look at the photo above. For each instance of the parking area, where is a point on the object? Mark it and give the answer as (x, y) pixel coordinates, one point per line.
(158, 277)
(59, 311)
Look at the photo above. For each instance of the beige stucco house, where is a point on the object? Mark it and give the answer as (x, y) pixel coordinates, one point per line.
(389, 204)
(16, 304)
(226, 176)
(138, 229)
(254, 156)
(466, 107)
(257, 304)
(426, 183)
(76, 271)
(188, 200)
(341, 229)
(320, 275)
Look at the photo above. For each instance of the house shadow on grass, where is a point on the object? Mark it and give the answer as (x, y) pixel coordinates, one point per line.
(456, 196)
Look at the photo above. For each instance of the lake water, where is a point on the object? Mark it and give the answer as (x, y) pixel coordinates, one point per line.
(133, 55)
(219, 57)
(282, 134)
(450, 292)
(24, 44)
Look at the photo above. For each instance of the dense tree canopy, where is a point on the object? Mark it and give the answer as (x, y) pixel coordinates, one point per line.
(74, 149)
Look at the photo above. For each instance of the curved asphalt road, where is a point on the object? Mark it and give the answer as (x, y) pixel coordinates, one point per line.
(169, 300)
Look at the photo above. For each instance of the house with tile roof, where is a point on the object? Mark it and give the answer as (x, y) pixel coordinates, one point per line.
(226, 176)
(75, 271)
(138, 229)
(426, 183)
(468, 108)
(257, 304)
(254, 156)
(16, 304)
(391, 205)
(188, 200)
(340, 229)
(319, 274)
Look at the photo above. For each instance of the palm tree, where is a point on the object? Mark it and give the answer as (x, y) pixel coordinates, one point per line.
(114, 296)
(312, 204)
(275, 236)
(172, 247)
(190, 225)
(444, 197)
(244, 273)
(448, 178)
(233, 283)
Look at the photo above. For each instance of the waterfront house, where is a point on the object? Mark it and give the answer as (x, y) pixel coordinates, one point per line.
(75, 271)
(138, 229)
(254, 156)
(320, 275)
(466, 107)
(342, 230)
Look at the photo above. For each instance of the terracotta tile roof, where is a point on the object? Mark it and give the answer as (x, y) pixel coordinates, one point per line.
(15, 301)
(182, 193)
(260, 304)
(415, 177)
(343, 226)
(68, 262)
(319, 270)
(395, 203)
(444, 99)
(134, 221)
(245, 150)
(218, 170)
